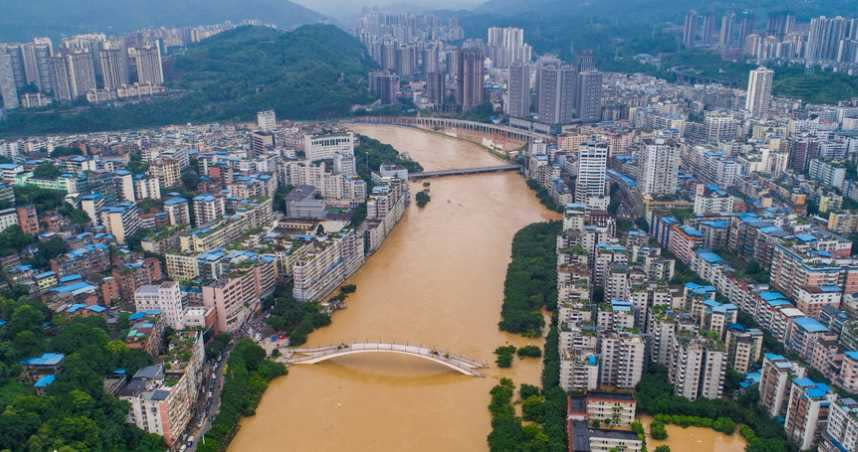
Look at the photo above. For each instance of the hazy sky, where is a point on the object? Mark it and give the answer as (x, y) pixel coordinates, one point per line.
(345, 9)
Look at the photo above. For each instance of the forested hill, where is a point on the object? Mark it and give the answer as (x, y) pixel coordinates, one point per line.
(24, 19)
(316, 71)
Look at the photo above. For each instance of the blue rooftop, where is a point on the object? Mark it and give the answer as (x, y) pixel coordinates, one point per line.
(852, 354)
(772, 295)
(46, 359)
(74, 289)
(44, 381)
(174, 201)
(709, 256)
(805, 237)
(688, 230)
(717, 224)
(810, 325)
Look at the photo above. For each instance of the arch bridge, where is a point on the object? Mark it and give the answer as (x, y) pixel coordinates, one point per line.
(316, 355)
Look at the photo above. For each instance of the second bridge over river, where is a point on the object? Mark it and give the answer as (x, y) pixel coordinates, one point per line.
(319, 354)
(465, 171)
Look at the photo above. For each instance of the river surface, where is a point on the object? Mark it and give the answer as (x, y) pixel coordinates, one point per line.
(697, 439)
(437, 280)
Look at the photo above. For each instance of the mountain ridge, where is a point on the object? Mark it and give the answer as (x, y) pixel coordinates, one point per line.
(24, 19)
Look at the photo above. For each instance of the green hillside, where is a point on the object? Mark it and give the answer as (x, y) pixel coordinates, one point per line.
(24, 19)
(316, 71)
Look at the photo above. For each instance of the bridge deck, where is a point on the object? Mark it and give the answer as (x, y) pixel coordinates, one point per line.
(319, 354)
(464, 171)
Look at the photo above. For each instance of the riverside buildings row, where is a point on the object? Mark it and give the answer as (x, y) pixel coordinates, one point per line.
(750, 214)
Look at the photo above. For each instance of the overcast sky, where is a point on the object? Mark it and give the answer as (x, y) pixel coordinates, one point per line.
(346, 9)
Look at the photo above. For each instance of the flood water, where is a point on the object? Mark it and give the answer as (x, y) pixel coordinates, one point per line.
(437, 280)
(697, 439)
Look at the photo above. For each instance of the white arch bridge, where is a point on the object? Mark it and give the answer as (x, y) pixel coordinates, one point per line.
(318, 354)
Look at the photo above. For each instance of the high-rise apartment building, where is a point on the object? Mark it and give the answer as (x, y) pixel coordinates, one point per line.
(689, 29)
(557, 93)
(506, 47)
(208, 209)
(823, 38)
(149, 66)
(165, 297)
(775, 377)
(841, 432)
(518, 104)
(178, 212)
(436, 87)
(113, 64)
(659, 168)
(759, 94)
(728, 23)
(697, 367)
(592, 169)
(8, 89)
(589, 96)
(122, 220)
(60, 79)
(469, 78)
(384, 85)
(622, 359)
(81, 71)
(807, 412)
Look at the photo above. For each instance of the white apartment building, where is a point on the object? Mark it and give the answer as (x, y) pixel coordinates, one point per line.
(659, 168)
(592, 171)
(622, 359)
(697, 367)
(166, 297)
(325, 146)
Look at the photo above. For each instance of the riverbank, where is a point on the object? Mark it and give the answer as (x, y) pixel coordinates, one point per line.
(247, 377)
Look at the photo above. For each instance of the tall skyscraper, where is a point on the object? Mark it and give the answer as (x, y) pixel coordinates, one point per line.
(780, 23)
(589, 96)
(726, 35)
(592, 168)
(61, 81)
(8, 90)
(557, 93)
(759, 94)
(149, 67)
(469, 78)
(708, 29)
(584, 61)
(506, 46)
(81, 72)
(689, 29)
(823, 38)
(431, 57)
(659, 167)
(746, 27)
(384, 85)
(436, 87)
(113, 61)
(37, 63)
(406, 60)
(518, 105)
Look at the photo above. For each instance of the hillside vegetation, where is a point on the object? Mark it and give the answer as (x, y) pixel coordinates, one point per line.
(316, 71)
(21, 20)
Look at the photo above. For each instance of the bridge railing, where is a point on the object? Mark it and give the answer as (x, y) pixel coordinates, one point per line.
(396, 347)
